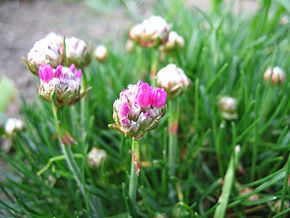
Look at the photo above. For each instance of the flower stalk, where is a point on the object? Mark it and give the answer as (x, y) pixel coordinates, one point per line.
(135, 169)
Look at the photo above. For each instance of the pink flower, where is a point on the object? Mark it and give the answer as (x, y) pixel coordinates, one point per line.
(138, 109)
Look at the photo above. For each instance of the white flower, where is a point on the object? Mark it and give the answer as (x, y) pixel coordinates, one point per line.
(12, 125)
(228, 107)
(276, 75)
(101, 53)
(96, 156)
(172, 79)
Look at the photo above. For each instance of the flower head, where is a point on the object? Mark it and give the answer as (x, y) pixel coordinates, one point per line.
(77, 52)
(138, 109)
(150, 32)
(275, 75)
(13, 125)
(64, 82)
(96, 156)
(172, 79)
(101, 53)
(174, 41)
(228, 107)
(48, 50)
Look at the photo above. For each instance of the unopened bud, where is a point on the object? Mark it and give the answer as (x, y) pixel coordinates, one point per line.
(275, 75)
(101, 53)
(172, 79)
(228, 107)
(96, 156)
(129, 46)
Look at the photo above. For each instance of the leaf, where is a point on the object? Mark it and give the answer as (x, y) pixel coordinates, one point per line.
(8, 91)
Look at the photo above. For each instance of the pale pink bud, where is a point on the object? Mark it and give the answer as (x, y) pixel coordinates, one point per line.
(228, 107)
(129, 46)
(172, 79)
(96, 156)
(275, 75)
(138, 109)
(174, 41)
(101, 53)
(151, 32)
(77, 52)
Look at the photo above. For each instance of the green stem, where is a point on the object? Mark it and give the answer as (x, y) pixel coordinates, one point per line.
(67, 152)
(154, 66)
(285, 186)
(135, 168)
(215, 4)
(172, 149)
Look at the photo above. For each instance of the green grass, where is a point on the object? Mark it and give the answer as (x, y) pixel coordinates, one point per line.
(224, 55)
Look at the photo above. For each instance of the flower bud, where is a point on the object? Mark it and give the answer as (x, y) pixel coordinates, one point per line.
(151, 32)
(45, 51)
(96, 156)
(276, 75)
(172, 79)
(13, 125)
(77, 52)
(138, 109)
(101, 53)
(129, 46)
(64, 82)
(174, 41)
(228, 107)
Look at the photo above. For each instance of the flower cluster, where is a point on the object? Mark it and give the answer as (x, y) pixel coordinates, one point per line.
(138, 109)
(101, 53)
(155, 31)
(96, 156)
(172, 79)
(50, 50)
(151, 32)
(64, 82)
(77, 52)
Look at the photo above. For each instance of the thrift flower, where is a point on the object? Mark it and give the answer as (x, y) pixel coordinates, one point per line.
(96, 156)
(138, 109)
(64, 82)
(172, 79)
(151, 32)
(276, 75)
(45, 51)
(174, 41)
(77, 52)
(228, 107)
(101, 53)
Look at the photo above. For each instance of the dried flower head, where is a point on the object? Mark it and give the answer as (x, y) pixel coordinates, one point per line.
(77, 52)
(96, 156)
(172, 79)
(13, 125)
(48, 50)
(275, 75)
(63, 81)
(101, 53)
(228, 107)
(174, 41)
(138, 109)
(151, 32)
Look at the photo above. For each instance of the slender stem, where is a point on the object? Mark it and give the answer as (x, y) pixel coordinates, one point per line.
(135, 168)
(68, 154)
(172, 153)
(154, 66)
(285, 186)
(215, 4)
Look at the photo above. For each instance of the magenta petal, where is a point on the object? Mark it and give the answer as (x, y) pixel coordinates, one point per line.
(144, 94)
(124, 110)
(158, 97)
(58, 71)
(79, 74)
(72, 68)
(45, 72)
